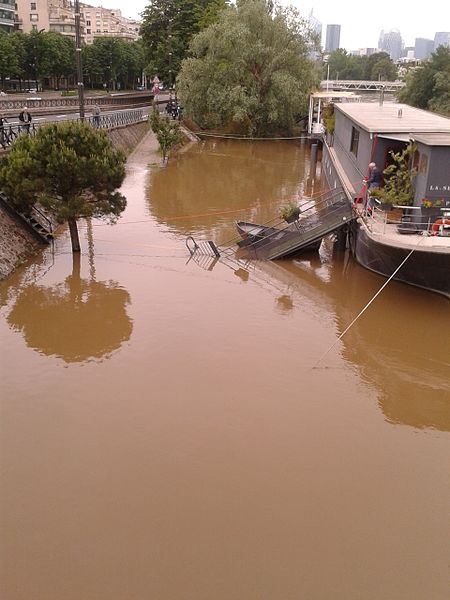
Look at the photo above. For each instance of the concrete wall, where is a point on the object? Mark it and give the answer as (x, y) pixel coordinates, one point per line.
(16, 244)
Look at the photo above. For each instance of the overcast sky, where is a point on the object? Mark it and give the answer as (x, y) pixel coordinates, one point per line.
(361, 22)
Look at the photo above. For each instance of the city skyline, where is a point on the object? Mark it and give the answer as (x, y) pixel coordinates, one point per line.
(360, 24)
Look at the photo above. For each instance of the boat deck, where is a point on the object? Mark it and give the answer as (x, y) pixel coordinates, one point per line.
(381, 229)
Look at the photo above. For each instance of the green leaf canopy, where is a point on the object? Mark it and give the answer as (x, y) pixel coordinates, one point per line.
(251, 68)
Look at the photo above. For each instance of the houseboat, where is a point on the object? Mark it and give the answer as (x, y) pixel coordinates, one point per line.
(416, 237)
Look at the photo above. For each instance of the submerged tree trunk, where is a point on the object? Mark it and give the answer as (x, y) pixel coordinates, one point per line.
(74, 235)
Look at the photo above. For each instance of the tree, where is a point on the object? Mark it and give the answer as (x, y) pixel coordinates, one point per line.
(250, 68)
(9, 64)
(61, 49)
(168, 132)
(374, 67)
(71, 169)
(428, 86)
(380, 66)
(167, 28)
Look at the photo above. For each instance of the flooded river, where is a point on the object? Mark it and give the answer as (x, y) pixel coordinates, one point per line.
(164, 433)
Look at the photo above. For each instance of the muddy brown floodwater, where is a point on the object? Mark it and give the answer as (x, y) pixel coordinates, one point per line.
(164, 434)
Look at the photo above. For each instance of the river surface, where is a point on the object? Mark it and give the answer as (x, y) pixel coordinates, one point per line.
(164, 433)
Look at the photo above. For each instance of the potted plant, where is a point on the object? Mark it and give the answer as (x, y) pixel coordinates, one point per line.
(290, 212)
(399, 179)
(430, 209)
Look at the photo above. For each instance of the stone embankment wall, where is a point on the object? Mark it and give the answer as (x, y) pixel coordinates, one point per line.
(17, 244)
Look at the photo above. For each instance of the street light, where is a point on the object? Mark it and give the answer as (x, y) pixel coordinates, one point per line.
(80, 83)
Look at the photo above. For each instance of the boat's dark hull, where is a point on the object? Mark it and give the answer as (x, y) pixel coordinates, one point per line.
(426, 269)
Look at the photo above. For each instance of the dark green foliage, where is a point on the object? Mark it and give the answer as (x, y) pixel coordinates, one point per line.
(428, 86)
(111, 61)
(372, 68)
(70, 168)
(398, 178)
(168, 26)
(168, 132)
(9, 63)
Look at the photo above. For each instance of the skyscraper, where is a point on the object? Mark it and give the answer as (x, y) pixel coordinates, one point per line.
(441, 38)
(333, 38)
(392, 43)
(315, 24)
(423, 48)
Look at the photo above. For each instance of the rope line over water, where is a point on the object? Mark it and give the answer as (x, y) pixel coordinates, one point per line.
(367, 305)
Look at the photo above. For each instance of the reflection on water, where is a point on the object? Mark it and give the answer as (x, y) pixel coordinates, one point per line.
(405, 356)
(209, 439)
(75, 320)
(215, 180)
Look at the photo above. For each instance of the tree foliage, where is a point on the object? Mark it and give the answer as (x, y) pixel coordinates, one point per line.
(428, 86)
(342, 65)
(168, 132)
(9, 63)
(70, 169)
(167, 28)
(113, 61)
(251, 68)
(42, 54)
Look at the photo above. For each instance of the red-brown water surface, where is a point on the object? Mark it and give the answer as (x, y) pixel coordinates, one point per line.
(163, 431)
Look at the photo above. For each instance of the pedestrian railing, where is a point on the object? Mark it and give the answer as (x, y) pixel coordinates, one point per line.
(10, 132)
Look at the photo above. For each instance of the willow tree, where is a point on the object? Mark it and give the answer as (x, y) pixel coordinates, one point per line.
(251, 67)
(69, 168)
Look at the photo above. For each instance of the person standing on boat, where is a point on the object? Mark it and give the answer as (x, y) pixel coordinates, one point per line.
(374, 179)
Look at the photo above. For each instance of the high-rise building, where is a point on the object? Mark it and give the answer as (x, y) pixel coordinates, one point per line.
(7, 9)
(441, 38)
(333, 38)
(423, 48)
(315, 24)
(392, 43)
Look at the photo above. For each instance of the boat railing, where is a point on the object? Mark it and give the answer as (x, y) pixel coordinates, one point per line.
(406, 219)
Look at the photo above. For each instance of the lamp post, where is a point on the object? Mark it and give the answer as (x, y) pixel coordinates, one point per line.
(80, 83)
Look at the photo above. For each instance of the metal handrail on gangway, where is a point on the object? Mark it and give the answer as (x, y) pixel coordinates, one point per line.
(318, 217)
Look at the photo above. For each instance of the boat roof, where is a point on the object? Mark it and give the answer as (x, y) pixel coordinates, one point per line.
(331, 94)
(433, 139)
(394, 118)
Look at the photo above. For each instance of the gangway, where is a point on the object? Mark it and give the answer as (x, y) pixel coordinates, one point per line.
(319, 217)
(328, 213)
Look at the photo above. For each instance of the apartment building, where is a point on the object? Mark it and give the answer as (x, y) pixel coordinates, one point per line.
(7, 8)
(46, 15)
(59, 16)
(103, 22)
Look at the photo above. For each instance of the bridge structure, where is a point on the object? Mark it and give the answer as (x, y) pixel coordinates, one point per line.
(343, 85)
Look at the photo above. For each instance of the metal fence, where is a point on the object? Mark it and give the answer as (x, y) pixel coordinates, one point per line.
(10, 132)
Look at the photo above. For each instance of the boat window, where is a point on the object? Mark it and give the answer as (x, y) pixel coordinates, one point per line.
(355, 141)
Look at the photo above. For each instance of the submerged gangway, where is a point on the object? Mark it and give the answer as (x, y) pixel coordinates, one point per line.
(327, 213)
(317, 218)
